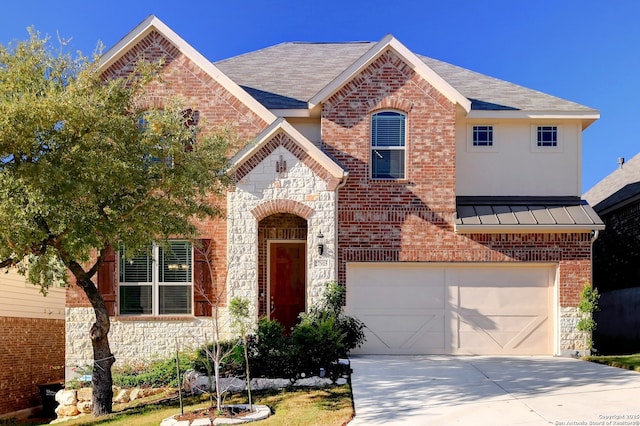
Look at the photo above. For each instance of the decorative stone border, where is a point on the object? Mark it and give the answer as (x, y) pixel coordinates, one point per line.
(260, 412)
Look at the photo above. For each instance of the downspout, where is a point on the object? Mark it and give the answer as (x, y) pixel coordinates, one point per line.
(594, 236)
(340, 185)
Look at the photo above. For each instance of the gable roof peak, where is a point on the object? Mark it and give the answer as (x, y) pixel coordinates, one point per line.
(389, 41)
(153, 23)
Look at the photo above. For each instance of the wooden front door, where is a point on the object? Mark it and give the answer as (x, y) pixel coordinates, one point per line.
(287, 279)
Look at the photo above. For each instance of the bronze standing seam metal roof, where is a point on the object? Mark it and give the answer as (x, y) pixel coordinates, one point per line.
(530, 212)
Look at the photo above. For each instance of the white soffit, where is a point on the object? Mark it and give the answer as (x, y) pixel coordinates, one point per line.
(282, 124)
(152, 23)
(409, 57)
(586, 118)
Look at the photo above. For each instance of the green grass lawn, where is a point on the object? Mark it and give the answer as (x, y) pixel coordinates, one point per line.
(629, 362)
(291, 407)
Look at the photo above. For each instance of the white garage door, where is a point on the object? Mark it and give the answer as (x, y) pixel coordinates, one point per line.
(413, 308)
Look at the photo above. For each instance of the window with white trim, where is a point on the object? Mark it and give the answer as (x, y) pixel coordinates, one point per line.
(388, 135)
(547, 136)
(159, 282)
(482, 136)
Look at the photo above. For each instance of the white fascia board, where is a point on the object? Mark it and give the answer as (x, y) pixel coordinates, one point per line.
(587, 118)
(283, 125)
(542, 115)
(298, 113)
(517, 229)
(409, 57)
(153, 23)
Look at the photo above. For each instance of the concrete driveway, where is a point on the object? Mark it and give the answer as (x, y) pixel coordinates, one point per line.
(446, 390)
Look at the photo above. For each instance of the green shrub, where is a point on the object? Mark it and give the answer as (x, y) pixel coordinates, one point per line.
(157, 373)
(317, 343)
(331, 303)
(323, 336)
(270, 351)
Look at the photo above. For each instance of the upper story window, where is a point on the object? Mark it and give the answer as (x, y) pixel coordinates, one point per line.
(388, 137)
(547, 136)
(159, 282)
(482, 136)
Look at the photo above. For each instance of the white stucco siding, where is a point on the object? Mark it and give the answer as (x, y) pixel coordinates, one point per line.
(514, 165)
(300, 184)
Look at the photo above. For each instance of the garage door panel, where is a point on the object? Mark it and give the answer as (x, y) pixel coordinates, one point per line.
(505, 299)
(403, 332)
(515, 334)
(427, 309)
(378, 288)
(380, 297)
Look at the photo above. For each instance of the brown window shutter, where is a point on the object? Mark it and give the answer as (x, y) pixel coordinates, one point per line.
(202, 280)
(107, 282)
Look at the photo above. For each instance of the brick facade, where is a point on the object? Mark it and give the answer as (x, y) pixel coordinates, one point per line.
(32, 353)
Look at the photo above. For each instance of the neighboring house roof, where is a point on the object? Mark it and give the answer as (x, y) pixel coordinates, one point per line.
(537, 214)
(289, 75)
(619, 188)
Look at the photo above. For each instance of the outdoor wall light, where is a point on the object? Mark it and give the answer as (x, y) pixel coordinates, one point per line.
(320, 244)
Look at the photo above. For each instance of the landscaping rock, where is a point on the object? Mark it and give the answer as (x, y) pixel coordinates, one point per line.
(85, 407)
(66, 397)
(136, 394)
(121, 396)
(67, 411)
(84, 394)
(315, 382)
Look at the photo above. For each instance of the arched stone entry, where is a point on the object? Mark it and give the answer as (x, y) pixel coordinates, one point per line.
(282, 261)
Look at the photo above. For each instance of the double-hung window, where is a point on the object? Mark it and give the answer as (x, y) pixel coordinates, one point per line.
(388, 136)
(158, 282)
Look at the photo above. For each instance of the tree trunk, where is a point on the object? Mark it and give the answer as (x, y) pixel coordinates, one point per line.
(103, 359)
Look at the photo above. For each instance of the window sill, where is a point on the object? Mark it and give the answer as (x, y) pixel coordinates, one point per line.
(390, 181)
(154, 317)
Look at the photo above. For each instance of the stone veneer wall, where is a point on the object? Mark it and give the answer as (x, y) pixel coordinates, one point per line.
(135, 339)
(571, 340)
(262, 192)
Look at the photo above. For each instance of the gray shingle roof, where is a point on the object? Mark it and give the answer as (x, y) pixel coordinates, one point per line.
(288, 75)
(618, 187)
(529, 212)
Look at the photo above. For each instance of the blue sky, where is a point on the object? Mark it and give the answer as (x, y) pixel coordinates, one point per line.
(586, 51)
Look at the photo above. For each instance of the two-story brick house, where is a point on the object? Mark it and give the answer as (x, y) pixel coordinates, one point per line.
(447, 202)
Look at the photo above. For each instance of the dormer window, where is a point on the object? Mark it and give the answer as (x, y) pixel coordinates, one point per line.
(388, 137)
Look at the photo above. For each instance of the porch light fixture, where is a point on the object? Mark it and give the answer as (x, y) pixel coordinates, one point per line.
(320, 244)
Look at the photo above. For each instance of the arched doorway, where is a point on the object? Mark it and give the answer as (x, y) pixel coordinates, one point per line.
(283, 267)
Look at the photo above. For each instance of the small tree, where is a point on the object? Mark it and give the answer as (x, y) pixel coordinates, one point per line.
(218, 351)
(242, 324)
(587, 306)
